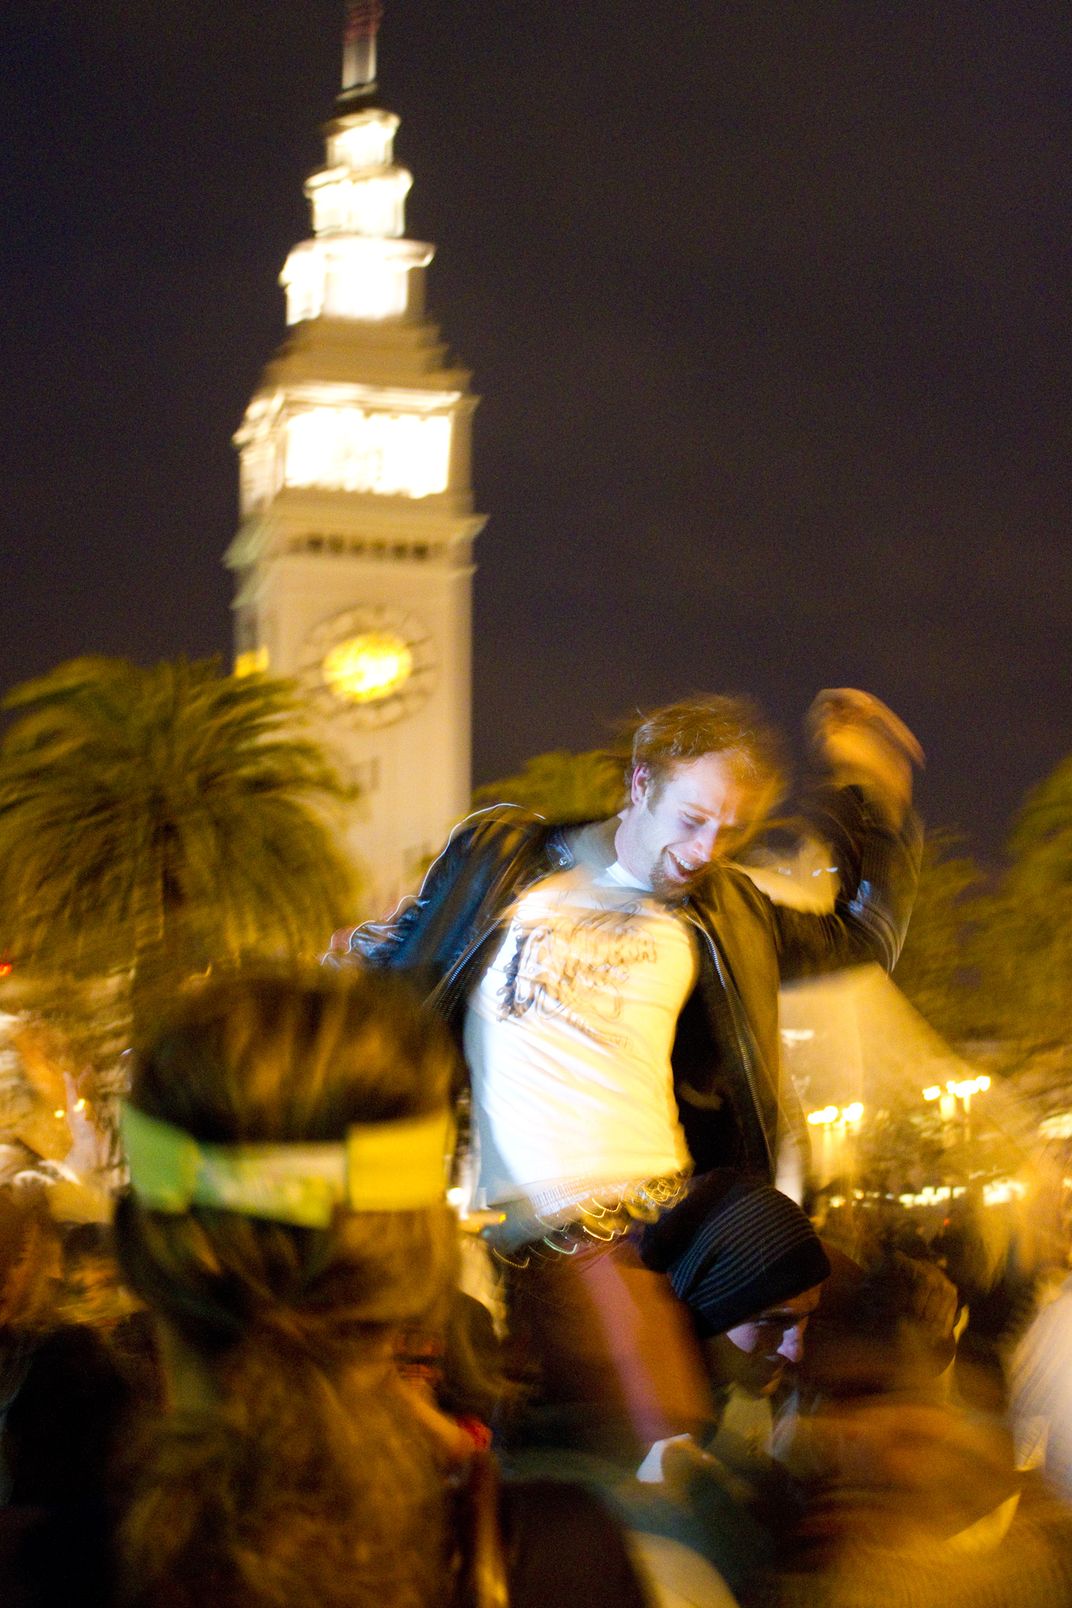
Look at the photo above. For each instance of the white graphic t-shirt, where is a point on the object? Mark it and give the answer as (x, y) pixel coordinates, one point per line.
(568, 1038)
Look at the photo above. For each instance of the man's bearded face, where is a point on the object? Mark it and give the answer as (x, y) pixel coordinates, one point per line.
(678, 825)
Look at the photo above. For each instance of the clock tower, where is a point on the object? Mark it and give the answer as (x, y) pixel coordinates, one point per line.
(353, 556)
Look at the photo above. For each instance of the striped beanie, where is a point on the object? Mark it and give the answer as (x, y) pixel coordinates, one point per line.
(733, 1247)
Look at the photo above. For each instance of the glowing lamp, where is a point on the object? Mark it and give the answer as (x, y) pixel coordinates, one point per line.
(967, 1087)
(366, 668)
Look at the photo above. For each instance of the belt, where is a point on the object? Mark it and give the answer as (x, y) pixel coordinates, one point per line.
(597, 1219)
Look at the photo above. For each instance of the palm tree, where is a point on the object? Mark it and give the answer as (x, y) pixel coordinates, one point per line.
(158, 821)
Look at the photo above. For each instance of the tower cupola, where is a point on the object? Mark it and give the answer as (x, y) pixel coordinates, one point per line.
(358, 265)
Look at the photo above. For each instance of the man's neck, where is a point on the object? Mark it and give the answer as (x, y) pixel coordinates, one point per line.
(593, 846)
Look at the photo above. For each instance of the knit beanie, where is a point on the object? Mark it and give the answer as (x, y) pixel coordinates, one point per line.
(733, 1247)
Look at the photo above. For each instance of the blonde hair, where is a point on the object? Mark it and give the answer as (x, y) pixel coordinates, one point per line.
(306, 1481)
(708, 723)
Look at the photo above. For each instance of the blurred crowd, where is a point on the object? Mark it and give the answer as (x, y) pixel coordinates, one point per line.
(210, 1399)
(253, 1356)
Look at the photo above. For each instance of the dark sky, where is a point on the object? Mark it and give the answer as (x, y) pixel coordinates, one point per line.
(768, 305)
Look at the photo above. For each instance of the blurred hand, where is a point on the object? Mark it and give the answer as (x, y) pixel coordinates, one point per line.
(865, 744)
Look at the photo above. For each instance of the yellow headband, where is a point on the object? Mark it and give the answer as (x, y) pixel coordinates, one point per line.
(379, 1167)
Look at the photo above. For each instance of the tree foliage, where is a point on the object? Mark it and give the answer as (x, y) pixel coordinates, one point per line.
(1033, 974)
(157, 821)
(990, 957)
(943, 966)
(563, 786)
(1040, 843)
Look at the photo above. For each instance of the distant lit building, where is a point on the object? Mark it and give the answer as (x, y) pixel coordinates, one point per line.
(353, 556)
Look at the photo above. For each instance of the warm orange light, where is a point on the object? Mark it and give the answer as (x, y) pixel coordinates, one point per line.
(847, 1116)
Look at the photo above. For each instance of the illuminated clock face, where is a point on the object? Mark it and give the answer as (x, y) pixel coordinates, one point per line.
(372, 665)
(365, 668)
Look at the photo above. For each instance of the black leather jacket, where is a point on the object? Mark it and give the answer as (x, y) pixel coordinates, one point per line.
(726, 1058)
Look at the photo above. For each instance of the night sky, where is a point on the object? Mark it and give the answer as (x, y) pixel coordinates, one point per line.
(768, 305)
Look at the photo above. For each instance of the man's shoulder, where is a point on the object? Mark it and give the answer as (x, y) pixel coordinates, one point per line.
(727, 892)
(486, 853)
(496, 824)
(501, 814)
(492, 838)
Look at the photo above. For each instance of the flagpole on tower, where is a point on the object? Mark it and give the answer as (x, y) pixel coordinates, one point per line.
(360, 27)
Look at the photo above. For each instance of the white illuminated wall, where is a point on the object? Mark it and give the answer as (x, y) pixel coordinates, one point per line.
(358, 265)
(353, 557)
(346, 439)
(364, 449)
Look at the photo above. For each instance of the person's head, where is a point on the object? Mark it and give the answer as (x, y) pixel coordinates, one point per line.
(282, 1233)
(756, 1352)
(265, 1060)
(749, 1266)
(703, 776)
(886, 1329)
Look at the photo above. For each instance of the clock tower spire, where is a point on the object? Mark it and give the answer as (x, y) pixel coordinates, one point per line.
(353, 556)
(359, 33)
